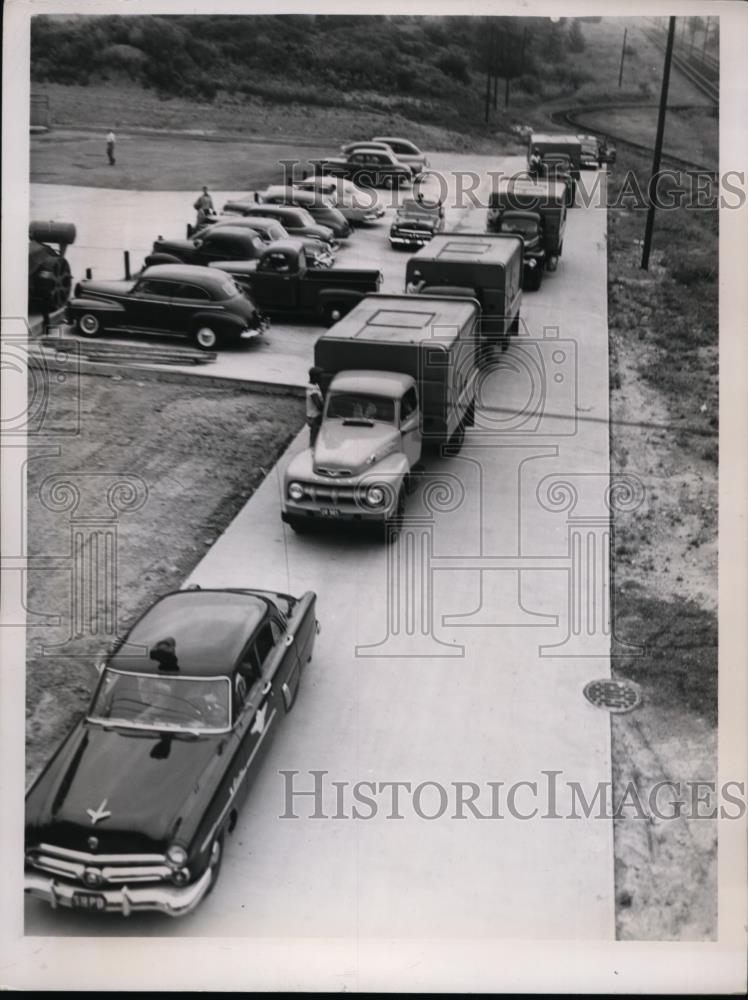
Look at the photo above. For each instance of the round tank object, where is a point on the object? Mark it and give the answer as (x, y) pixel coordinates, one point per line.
(62, 233)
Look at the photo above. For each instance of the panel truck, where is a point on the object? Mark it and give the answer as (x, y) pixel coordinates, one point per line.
(535, 211)
(478, 266)
(546, 147)
(399, 374)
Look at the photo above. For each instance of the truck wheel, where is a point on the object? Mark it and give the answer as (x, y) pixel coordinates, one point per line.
(53, 283)
(332, 312)
(552, 263)
(391, 526)
(300, 525)
(205, 339)
(88, 325)
(536, 280)
(455, 443)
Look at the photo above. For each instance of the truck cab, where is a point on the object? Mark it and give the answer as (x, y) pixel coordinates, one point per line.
(529, 227)
(368, 441)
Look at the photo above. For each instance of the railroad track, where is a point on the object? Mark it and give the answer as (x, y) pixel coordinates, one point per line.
(567, 116)
(709, 86)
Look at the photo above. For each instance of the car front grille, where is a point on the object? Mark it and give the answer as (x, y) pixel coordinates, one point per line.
(92, 870)
(333, 473)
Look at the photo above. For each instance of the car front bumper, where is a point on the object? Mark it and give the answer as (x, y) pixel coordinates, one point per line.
(175, 901)
(410, 240)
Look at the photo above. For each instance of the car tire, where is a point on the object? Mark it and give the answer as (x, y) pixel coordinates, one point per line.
(205, 338)
(88, 325)
(215, 862)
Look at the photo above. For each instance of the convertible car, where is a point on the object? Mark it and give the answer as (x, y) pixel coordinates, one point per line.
(132, 811)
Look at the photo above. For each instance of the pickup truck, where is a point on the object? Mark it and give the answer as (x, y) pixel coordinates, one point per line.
(368, 167)
(401, 375)
(280, 282)
(535, 211)
(478, 266)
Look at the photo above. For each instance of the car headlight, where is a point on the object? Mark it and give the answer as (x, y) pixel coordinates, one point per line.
(295, 491)
(375, 496)
(176, 856)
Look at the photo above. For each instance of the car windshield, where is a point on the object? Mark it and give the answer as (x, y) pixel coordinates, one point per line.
(411, 206)
(162, 702)
(525, 227)
(351, 406)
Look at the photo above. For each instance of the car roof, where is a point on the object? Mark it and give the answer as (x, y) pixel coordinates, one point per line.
(393, 138)
(209, 628)
(232, 230)
(287, 210)
(195, 273)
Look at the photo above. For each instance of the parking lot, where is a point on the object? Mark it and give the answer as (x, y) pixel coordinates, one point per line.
(484, 683)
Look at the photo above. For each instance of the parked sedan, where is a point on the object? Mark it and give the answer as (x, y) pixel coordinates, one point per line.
(317, 253)
(367, 167)
(296, 221)
(354, 203)
(203, 304)
(406, 151)
(133, 810)
(321, 208)
(415, 223)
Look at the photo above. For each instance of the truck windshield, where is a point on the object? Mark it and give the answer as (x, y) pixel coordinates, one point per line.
(161, 702)
(358, 407)
(522, 227)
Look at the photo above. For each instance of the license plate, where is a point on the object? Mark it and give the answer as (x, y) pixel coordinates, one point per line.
(329, 512)
(89, 901)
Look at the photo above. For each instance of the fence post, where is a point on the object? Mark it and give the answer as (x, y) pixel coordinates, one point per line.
(127, 265)
(89, 273)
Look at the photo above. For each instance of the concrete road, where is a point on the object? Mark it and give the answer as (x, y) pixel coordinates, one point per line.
(457, 655)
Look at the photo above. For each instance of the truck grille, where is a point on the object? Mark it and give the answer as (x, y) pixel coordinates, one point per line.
(333, 473)
(92, 870)
(333, 494)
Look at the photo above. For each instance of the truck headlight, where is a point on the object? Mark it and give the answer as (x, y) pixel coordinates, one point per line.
(181, 876)
(295, 491)
(176, 856)
(375, 496)
(532, 262)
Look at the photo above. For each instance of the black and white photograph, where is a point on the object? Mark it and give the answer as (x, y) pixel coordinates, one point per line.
(372, 609)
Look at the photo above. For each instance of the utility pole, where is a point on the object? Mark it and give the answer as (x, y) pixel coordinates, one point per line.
(623, 55)
(489, 64)
(651, 187)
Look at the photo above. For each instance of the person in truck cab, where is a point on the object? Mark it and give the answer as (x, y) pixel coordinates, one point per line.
(315, 403)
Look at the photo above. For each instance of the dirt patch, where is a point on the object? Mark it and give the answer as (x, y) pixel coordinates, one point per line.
(123, 511)
(664, 427)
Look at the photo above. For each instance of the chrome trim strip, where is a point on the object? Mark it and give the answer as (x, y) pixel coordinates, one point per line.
(100, 859)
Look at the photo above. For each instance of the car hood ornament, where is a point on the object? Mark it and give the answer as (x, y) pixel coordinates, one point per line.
(98, 814)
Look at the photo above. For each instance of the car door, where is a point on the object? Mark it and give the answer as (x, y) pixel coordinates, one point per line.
(149, 306)
(410, 428)
(187, 299)
(300, 632)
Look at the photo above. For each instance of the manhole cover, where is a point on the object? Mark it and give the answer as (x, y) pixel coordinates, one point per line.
(616, 696)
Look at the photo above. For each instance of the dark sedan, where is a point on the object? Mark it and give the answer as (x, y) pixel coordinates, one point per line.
(415, 223)
(296, 221)
(317, 253)
(133, 810)
(321, 208)
(201, 303)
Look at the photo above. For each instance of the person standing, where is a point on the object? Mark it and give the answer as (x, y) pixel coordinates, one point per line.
(315, 403)
(204, 208)
(110, 140)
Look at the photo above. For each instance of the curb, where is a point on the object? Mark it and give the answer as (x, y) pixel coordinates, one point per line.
(150, 374)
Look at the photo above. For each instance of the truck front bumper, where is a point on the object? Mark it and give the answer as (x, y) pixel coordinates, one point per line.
(175, 901)
(420, 240)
